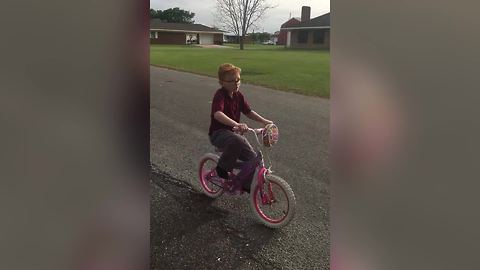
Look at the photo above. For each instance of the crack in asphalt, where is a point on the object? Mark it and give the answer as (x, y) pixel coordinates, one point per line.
(168, 177)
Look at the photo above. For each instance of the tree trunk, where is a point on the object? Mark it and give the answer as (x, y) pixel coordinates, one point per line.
(242, 41)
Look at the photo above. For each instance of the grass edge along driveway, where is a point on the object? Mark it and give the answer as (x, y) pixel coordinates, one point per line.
(305, 72)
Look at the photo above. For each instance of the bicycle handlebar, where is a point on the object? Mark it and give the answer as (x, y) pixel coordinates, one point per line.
(256, 131)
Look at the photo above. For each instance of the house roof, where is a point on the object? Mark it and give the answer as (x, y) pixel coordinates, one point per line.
(319, 22)
(157, 24)
(291, 21)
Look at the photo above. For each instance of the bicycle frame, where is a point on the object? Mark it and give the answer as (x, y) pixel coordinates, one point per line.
(260, 171)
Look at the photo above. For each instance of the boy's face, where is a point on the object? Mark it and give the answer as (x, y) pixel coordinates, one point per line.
(231, 82)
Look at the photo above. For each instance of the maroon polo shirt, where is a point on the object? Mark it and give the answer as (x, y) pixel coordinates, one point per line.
(230, 106)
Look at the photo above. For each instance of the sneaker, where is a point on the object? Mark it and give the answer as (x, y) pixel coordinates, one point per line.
(221, 172)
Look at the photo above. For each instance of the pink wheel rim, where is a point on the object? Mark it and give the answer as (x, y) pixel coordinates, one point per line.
(260, 211)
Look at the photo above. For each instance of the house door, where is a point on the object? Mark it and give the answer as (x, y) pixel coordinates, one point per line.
(206, 39)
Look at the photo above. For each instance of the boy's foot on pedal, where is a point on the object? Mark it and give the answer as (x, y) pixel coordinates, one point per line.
(229, 182)
(221, 172)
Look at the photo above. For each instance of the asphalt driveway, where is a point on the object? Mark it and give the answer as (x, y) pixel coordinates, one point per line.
(190, 231)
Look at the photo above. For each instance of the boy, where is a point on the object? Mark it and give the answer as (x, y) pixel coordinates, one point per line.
(227, 104)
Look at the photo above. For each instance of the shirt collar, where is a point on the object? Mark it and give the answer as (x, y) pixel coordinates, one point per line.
(225, 92)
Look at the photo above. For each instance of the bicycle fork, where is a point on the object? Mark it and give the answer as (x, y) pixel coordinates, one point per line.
(266, 193)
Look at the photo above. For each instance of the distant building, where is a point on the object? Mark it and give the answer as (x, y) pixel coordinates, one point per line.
(232, 38)
(275, 37)
(309, 33)
(183, 33)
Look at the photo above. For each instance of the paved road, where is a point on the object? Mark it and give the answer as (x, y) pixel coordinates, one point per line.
(190, 231)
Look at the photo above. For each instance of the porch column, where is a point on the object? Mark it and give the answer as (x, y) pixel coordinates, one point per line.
(289, 36)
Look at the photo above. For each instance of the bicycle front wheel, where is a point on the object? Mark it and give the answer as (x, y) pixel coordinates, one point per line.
(274, 203)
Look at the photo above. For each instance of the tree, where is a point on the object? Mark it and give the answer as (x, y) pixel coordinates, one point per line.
(173, 15)
(155, 14)
(238, 16)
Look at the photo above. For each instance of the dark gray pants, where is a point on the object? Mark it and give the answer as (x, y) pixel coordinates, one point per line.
(234, 147)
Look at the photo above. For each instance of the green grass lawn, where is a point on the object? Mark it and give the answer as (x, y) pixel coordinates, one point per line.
(302, 71)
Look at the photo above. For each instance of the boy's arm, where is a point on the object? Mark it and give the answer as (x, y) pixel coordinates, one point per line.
(222, 118)
(256, 117)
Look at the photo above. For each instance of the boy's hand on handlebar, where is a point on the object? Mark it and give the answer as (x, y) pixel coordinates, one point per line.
(241, 127)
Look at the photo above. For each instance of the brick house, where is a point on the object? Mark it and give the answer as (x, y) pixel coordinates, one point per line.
(309, 33)
(282, 36)
(183, 33)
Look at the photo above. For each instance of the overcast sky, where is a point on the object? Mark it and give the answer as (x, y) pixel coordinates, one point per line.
(204, 9)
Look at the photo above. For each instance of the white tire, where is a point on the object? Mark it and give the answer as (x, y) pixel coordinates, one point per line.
(207, 163)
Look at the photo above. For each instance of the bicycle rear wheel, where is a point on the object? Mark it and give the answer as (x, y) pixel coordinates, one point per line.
(273, 204)
(206, 170)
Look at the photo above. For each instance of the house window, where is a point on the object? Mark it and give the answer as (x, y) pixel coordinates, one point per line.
(302, 36)
(319, 36)
(192, 39)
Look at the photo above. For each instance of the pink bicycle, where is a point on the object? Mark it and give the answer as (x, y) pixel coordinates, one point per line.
(271, 198)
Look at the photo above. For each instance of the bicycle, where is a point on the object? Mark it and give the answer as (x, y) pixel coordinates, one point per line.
(267, 191)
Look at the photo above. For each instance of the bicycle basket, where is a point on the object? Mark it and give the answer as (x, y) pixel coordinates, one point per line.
(270, 135)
